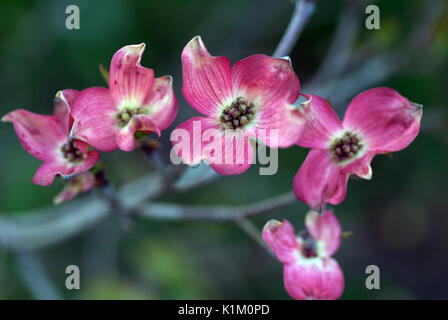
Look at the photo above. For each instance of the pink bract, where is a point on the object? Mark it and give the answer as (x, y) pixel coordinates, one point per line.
(377, 121)
(47, 138)
(251, 100)
(309, 270)
(107, 119)
(78, 184)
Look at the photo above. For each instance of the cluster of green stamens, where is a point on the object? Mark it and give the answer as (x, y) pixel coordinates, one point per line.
(126, 114)
(308, 245)
(71, 152)
(346, 148)
(238, 114)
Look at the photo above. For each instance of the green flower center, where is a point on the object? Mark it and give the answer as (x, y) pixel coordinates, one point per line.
(346, 148)
(71, 152)
(238, 114)
(126, 114)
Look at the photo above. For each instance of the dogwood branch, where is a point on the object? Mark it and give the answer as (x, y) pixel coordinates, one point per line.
(302, 12)
(45, 227)
(35, 277)
(340, 50)
(39, 228)
(378, 67)
(251, 230)
(169, 211)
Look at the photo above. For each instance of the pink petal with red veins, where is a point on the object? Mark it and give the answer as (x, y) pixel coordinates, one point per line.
(314, 279)
(47, 171)
(325, 230)
(206, 79)
(322, 124)
(280, 125)
(129, 82)
(125, 136)
(386, 120)
(162, 103)
(264, 80)
(282, 240)
(95, 119)
(202, 138)
(62, 108)
(320, 180)
(40, 135)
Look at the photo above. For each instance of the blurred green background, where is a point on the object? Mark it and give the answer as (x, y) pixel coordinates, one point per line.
(399, 218)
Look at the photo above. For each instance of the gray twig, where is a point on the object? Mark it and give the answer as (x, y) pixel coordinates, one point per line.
(170, 211)
(340, 50)
(251, 230)
(302, 12)
(378, 67)
(35, 277)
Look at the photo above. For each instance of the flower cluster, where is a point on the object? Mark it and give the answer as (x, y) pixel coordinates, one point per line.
(253, 101)
(261, 93)
(101, 118)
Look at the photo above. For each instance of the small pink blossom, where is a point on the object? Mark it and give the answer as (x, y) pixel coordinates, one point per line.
(77, 184)
(136, 101)
(377, 121)
(308, 269)
(252, 99)
(47, 138)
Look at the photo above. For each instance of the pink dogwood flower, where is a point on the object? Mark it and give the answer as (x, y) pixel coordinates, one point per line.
(77, 184)
(376, 121)
(252, 99)
(47, 138)
(309, 271)
(136, 101)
